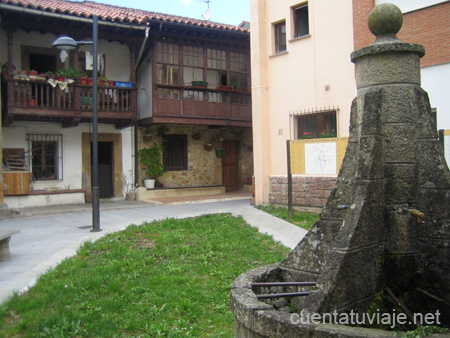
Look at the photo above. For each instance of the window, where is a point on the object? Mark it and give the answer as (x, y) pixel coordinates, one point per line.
(239, 66)
(167, 74)
(239, 62)
(175, 152)
(192, 95)
(301, 21)
(167, 53)
(193, 56)
(170, 94)
(280, 37)
(46, 156)
(216, 97)
(192, 74)
(317, 125)
(167, 58)
(217, 58)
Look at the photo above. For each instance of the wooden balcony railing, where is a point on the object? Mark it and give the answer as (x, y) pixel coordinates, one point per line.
(202, 103)
(36, 98)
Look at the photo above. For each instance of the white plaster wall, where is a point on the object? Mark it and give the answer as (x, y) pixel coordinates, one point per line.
(128, 159)
(144, 83)
(117, 55)
(14, 136)
(17, 202)
(410, 5)
(436, 80)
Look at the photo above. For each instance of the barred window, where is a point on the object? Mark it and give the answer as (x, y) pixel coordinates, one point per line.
(46, 156)
(175, 152)
(317, 125)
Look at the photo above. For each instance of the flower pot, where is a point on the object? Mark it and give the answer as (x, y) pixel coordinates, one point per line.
(199, 83)
(22, 74)
(111, 83)
(149, 183)
(83, 81)
(31, 102)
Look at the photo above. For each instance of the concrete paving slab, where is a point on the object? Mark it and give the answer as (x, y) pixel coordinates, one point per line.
(49, 235)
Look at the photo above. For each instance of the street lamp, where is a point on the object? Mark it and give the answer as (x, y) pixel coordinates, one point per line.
(67, 43)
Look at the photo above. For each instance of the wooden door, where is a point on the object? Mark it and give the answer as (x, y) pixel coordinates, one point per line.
(230, 173)
(105, 169)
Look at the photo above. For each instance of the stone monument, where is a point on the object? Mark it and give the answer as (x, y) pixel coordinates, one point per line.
(387, 222)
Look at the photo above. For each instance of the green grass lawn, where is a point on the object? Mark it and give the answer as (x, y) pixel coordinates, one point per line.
(164, 279)
(303, 219)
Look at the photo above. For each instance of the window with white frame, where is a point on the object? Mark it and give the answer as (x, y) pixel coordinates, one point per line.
(300, 20)
(46, 156)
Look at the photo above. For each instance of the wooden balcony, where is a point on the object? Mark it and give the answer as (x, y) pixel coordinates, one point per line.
(69, 104)
(233, 107)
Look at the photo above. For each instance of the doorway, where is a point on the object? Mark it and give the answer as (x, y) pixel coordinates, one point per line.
(230, 172)
(105, 169)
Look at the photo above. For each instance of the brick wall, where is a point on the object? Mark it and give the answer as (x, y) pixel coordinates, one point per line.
(306, 191)
(429, 27)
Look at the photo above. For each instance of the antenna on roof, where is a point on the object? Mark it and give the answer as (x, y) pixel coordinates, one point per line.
(208, 13)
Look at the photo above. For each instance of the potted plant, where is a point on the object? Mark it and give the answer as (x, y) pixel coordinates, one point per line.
(23, 75)
(5, 69)
(151, 157)
(83, 80)
(50, 75)
(198, 83)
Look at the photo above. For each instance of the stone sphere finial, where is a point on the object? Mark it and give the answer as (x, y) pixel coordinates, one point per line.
(385, 19)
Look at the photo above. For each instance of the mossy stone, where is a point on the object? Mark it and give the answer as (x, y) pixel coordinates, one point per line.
(385, 19)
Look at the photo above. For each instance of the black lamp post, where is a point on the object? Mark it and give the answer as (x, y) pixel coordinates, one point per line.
(67, 43)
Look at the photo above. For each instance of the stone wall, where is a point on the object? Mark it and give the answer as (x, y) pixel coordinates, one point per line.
(204, 167)
(306, 191)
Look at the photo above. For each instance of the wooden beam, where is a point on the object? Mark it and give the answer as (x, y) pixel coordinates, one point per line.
(194, 121)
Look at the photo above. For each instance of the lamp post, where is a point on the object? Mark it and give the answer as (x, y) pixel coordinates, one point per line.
(67, 43)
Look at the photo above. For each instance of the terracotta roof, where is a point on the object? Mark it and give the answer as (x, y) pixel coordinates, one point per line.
(114, 13)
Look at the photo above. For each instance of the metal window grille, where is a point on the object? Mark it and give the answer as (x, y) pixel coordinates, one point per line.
(315, 123)
(45, 156)
(175, 152)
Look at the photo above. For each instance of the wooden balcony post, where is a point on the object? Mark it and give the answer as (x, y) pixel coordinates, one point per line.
(10, 36)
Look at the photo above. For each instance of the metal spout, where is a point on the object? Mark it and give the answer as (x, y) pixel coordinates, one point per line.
(420, 215)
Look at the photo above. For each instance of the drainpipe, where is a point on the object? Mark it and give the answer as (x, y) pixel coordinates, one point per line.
(141, 51)
(136, 155)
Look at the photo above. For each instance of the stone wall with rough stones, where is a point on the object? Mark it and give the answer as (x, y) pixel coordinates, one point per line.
(306, 191)
(204, 167)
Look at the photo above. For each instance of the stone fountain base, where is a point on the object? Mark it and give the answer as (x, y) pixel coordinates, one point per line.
(259, 319)
(386, 225)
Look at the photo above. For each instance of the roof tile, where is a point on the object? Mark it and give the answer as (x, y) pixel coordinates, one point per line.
(114, 13)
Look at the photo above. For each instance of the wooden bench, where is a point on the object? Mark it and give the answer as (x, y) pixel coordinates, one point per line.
(5, 237)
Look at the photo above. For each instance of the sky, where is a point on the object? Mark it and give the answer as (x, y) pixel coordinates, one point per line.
(231, 12)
